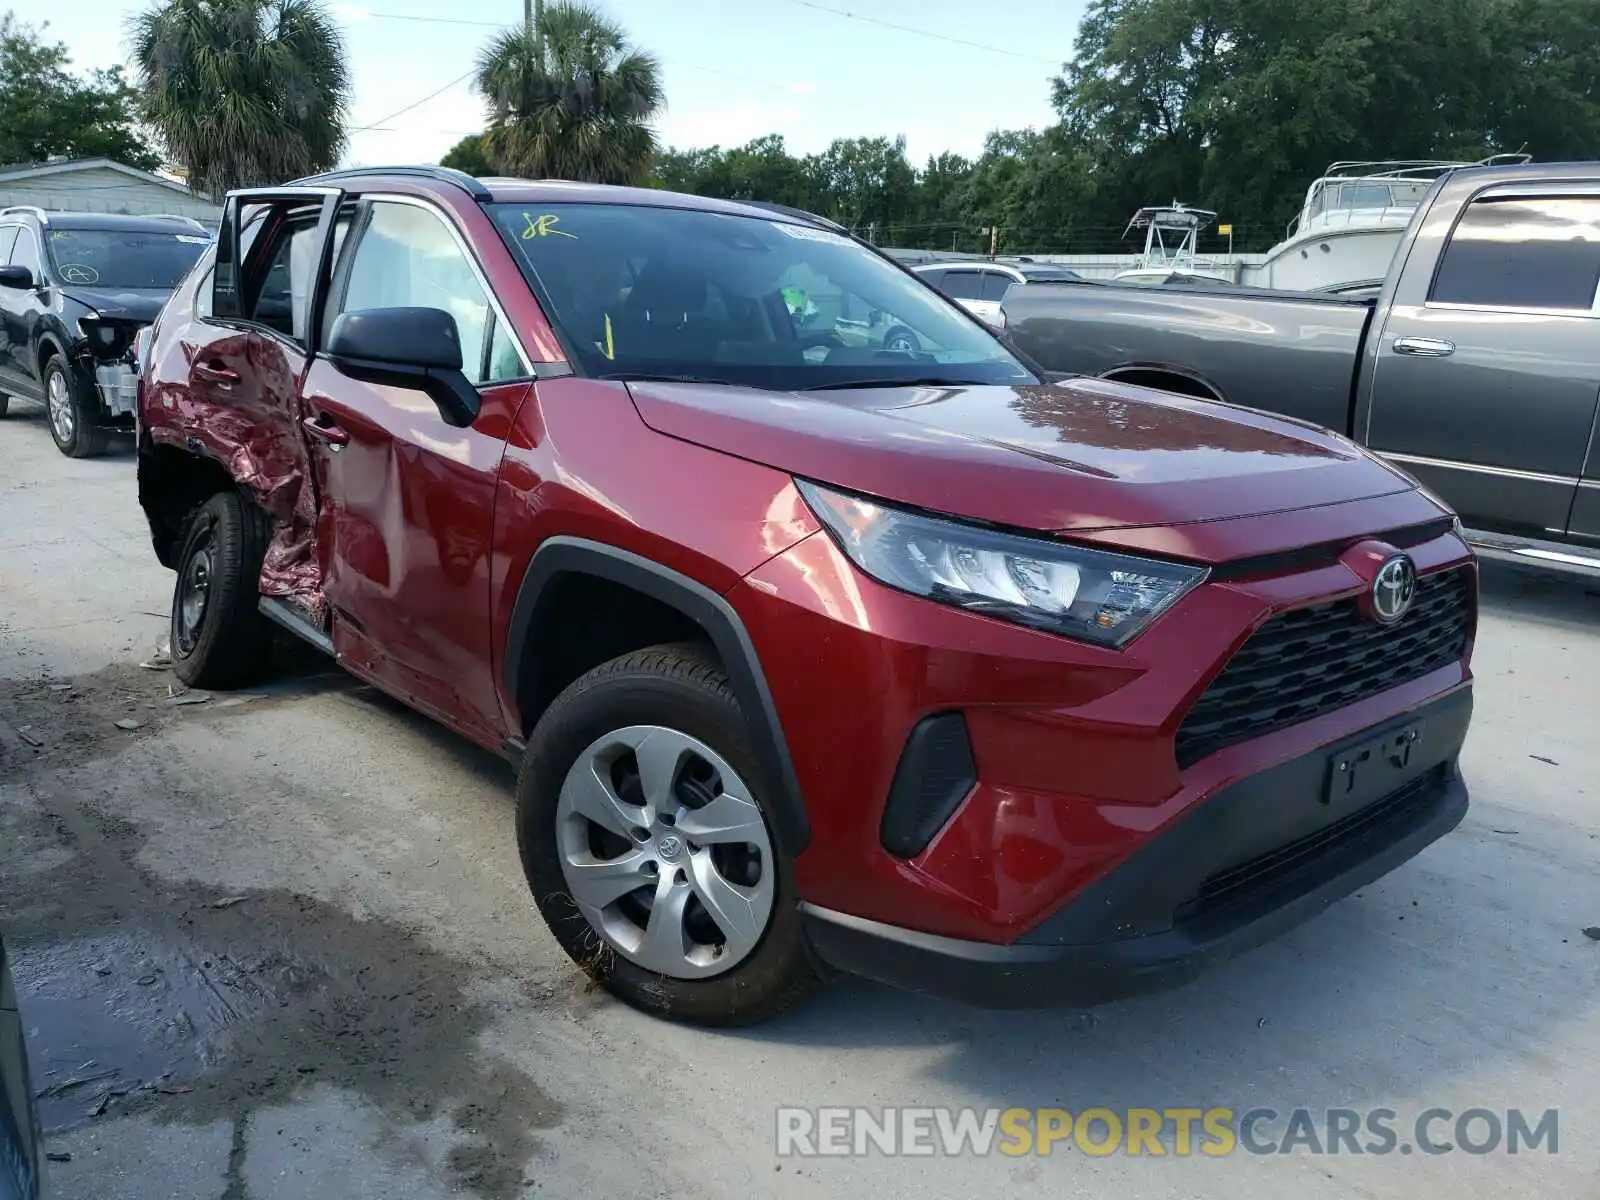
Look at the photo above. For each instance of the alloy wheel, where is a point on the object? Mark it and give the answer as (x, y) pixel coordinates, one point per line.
(665, 852)
(59, 401)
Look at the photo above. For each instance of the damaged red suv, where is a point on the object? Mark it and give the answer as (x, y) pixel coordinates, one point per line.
(816, 652)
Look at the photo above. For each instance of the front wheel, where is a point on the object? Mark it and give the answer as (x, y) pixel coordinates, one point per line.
(74, 415)
(219, 637)
(645, 836)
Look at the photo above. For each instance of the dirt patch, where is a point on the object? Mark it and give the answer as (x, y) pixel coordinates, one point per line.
(48, 721)
(195, 1003)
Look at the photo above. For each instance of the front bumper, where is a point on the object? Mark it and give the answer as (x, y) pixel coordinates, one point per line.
(1255, 859)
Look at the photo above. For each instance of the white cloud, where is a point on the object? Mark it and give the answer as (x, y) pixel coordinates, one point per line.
(802, 89)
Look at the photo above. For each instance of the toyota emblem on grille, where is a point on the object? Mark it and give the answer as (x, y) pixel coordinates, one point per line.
(1393, 589)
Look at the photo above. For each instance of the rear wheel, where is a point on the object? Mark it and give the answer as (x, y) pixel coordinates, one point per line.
(219, 637)
(901, 340)
(73, 413)
(645, 837)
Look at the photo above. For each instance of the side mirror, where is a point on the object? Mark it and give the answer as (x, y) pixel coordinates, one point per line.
(19, 278)
(417, 348)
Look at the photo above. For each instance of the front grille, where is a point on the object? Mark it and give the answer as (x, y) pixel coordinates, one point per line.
(1313, 660)
(1238, 885)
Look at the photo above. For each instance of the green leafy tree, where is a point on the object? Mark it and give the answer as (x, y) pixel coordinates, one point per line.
(936, 217)
(1240, 104)
(469, 155)
(864, 183)
(46, 111)
(570, 98)
(244, 92)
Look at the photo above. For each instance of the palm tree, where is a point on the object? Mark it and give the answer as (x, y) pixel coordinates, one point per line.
(243, 92)
(569, 98)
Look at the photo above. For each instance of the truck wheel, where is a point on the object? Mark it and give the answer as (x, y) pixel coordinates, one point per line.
(644, 835)
(219, 637)
(73, 411)
(902, 340)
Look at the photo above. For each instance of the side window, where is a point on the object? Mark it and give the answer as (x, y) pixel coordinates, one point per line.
(407, 258)
(8, 238)
(933, 278)
(1541, 252)
(504, 361)
(283, 299)
(995, 284)
(26, 252)
(202, 296)
(279, 290)
(962, 285)
(274, 305)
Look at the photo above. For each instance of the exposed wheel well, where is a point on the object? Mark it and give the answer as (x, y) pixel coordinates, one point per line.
(47, 347)
(172, 484)
(1165, 381)
(583, 621)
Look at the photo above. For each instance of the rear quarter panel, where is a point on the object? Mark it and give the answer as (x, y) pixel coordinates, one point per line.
(1290, 355)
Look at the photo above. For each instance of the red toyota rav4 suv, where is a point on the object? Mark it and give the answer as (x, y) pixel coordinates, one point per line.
(815, 653)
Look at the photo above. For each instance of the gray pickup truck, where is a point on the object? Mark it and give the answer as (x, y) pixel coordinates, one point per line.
(1476, 369)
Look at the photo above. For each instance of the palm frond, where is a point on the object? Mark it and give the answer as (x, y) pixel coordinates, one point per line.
(570, 99)
(243, 92)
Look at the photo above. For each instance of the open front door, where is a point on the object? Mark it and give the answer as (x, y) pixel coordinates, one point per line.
(274, 253)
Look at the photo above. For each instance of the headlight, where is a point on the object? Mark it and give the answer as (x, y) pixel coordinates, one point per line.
(1091, 595)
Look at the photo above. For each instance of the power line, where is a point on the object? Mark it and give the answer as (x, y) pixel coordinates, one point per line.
(926, 33)
(414, 104)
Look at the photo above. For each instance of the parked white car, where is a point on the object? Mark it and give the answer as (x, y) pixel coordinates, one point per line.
(978, 286)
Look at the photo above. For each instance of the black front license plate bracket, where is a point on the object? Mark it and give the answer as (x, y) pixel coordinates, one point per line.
(1370, 770)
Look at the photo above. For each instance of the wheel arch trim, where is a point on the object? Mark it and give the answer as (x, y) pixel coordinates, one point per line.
(560, 556)
(1119, 374)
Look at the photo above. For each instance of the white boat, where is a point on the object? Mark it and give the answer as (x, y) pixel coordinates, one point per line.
(1170, 234)
(1351, 223)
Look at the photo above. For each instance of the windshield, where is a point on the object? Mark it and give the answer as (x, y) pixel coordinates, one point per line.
(742, 300)
(124, 258)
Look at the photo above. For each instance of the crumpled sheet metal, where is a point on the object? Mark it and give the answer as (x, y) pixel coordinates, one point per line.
(269, 464)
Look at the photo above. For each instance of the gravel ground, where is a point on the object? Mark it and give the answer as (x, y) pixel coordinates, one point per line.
(278, 945)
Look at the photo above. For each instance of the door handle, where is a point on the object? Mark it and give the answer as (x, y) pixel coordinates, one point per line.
(323, 428)
(216, 372)
(1421, 347)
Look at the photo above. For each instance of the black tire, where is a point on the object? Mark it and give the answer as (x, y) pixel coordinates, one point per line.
(902, 339)
(225, 641)
(684, 688)
(5, 403)
(85, 438)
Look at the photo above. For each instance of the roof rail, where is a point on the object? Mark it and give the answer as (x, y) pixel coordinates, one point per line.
(460, 179)
(809, 217)
(25, 208)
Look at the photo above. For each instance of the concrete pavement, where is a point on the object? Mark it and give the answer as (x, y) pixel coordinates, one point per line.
(290, 932)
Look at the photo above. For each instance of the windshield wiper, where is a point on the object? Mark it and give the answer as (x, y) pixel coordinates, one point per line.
(880, 382)
(649, 377)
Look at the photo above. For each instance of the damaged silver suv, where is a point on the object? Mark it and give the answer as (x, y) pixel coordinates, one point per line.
(75, 289)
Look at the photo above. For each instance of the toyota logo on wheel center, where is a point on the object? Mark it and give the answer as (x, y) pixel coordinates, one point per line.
(1393, 589)
(669, 846)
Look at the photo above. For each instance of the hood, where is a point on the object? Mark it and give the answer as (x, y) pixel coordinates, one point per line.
(121, 304)
(1070, 457)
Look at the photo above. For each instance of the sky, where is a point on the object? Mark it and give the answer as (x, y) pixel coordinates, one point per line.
(733, 70)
